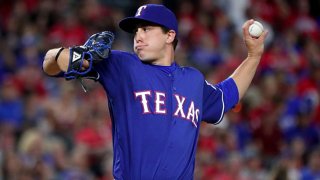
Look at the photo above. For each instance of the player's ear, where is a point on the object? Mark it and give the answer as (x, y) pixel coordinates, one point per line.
(171, 36)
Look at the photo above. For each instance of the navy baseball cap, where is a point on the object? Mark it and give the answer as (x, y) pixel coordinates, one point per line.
(153, 13)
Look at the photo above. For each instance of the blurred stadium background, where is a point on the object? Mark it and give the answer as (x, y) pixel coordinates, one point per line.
(51, 129)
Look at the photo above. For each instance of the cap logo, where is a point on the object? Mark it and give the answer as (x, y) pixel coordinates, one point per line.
(139, 10)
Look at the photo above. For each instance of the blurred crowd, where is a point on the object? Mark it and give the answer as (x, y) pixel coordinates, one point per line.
(51, 129)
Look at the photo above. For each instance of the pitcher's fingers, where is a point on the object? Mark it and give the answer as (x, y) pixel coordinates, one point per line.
(245, 27)
(85, 64)
(264, 35)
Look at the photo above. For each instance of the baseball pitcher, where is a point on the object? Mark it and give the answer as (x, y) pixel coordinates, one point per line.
(156, 105)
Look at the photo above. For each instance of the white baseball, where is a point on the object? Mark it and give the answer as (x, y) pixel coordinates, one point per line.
(255, 29)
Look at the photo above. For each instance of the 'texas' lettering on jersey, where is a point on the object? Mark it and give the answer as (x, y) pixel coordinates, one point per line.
(192, 114)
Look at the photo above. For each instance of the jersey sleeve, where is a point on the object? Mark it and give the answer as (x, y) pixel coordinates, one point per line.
(109, 70)
(114, 71)
(219, 99)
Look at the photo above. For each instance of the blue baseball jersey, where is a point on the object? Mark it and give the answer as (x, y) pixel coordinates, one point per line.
(156, 113)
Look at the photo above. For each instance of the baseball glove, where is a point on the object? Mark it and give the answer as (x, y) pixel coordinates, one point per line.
(96, 49)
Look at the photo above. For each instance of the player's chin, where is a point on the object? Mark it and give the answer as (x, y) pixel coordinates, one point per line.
(144, 59)
(142, 56)
(138, 53)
